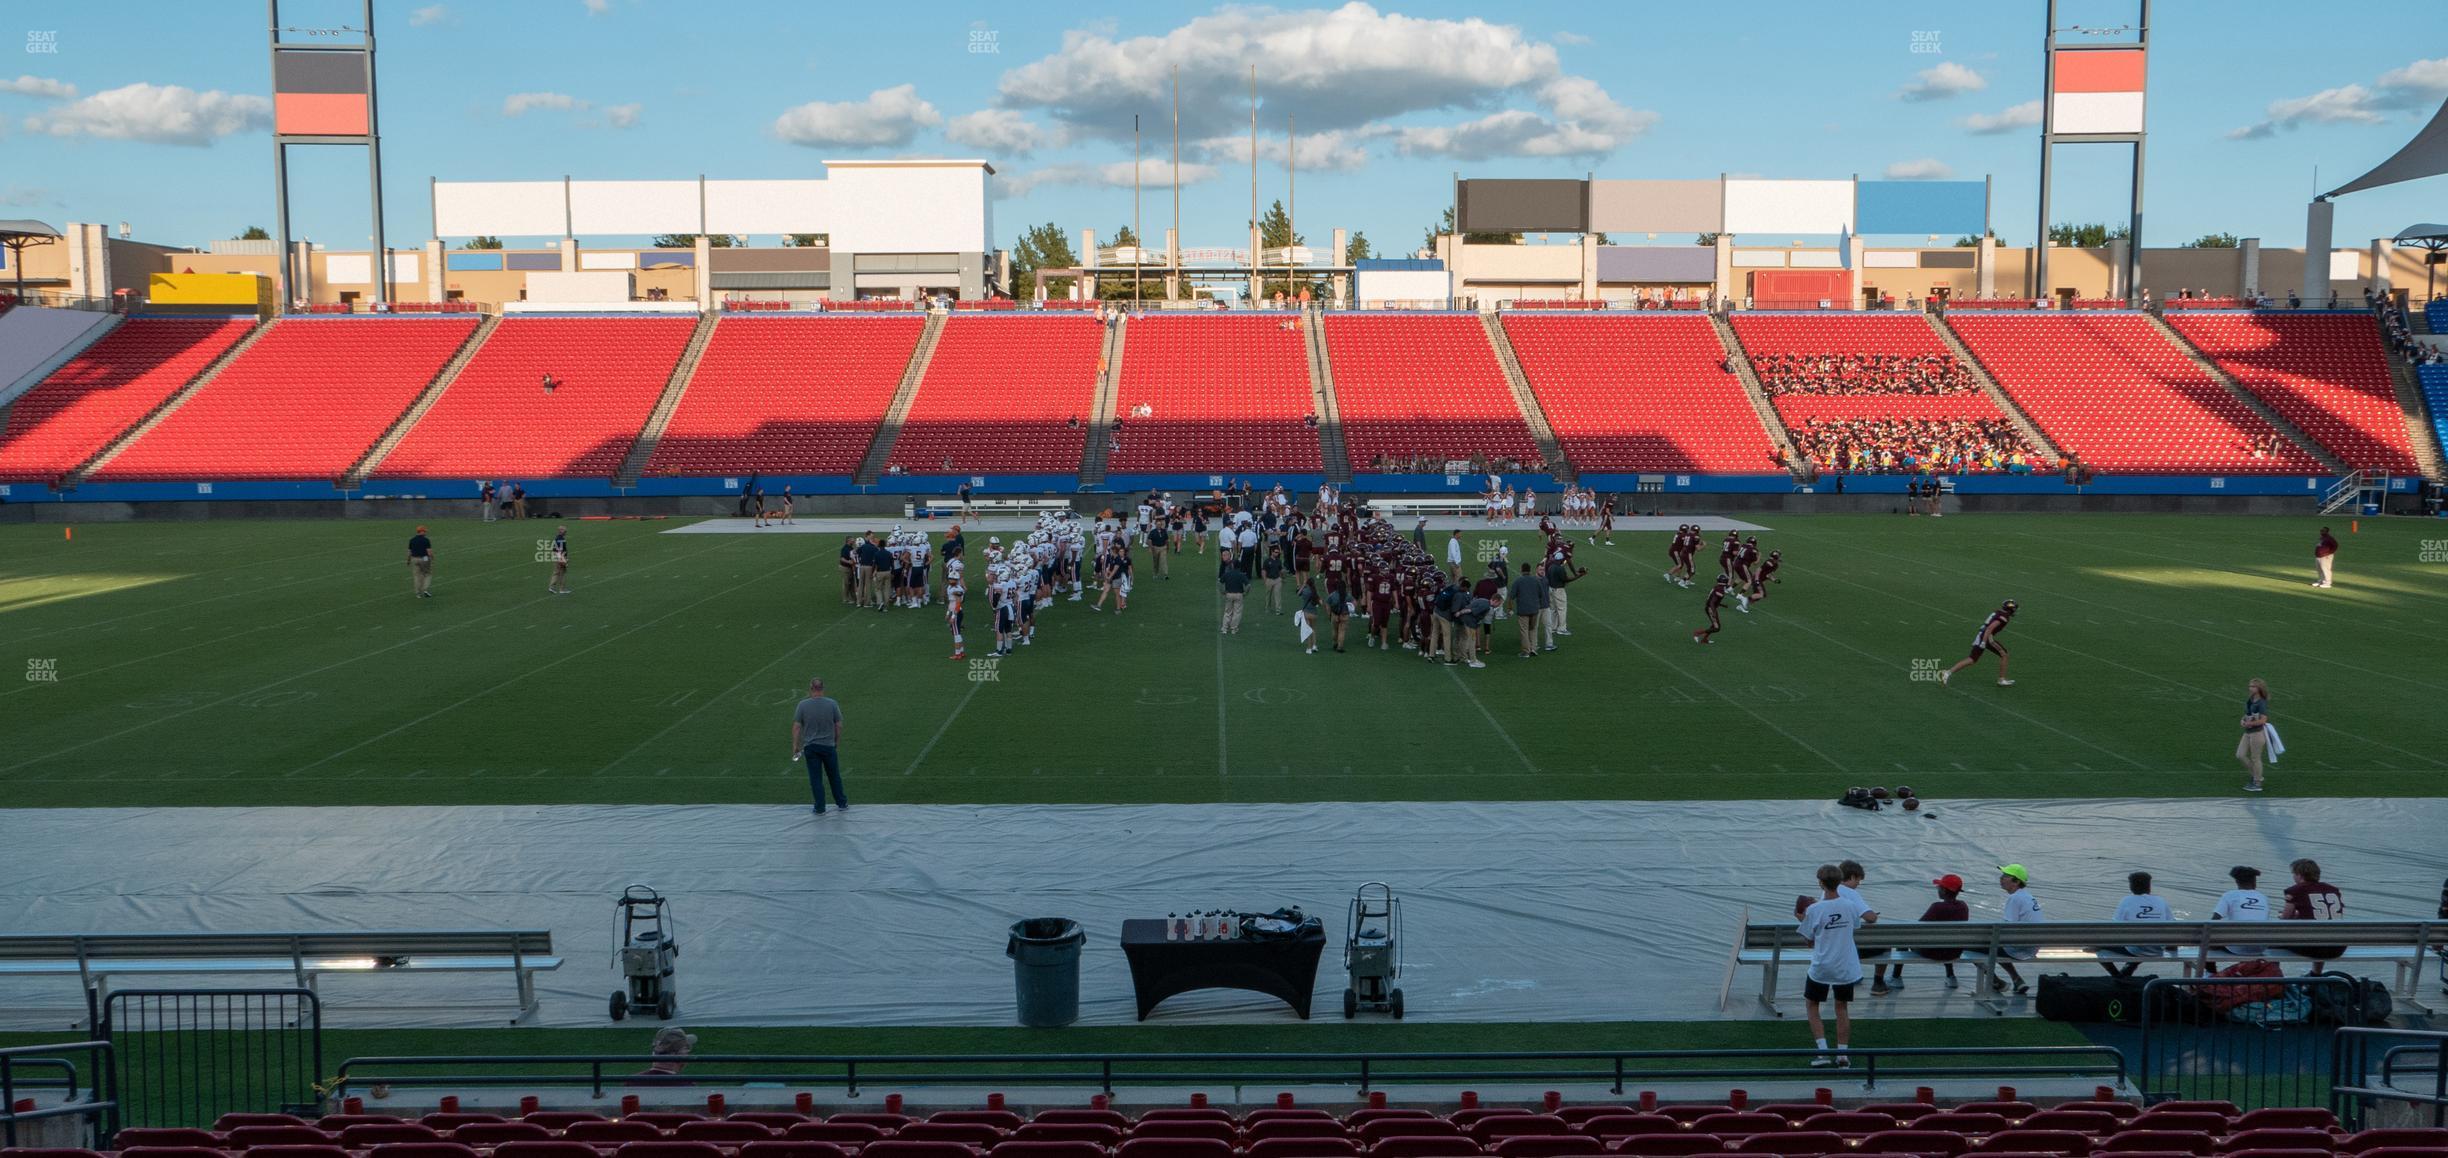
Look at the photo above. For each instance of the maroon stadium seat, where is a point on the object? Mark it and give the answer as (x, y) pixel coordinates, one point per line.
(249, 1137)
(1850, 1123)
(491, 1133)
(1320, 1127)
(1224, 1132)
(2083, 1121)
(966, 1133)
(1627, 1124)
(2137, 1141)
(667, 1148)
(999, 1119)
(1095, 1134)
(1548, 1146)
(790, 1148)
(1916, 1139)
(1301, 1148)
(426, 1150)
(727, 1130)
(1024, 1148)
(1169, 1147)
(1114, 1118)
(838, 1133)
(552, 1149)
(2286, 1117)
(625, 1130)
(1667, 1145)
(151, 1136)
(2278, 1138)
(2410, 1137)
(1807, 1140)
(379, 1133)
(1420, 1146)
(1741, 1124)
(1378, 1129)
(2027, 1141)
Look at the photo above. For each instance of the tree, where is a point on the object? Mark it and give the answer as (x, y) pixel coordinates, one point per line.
(254, 233)
(1968, 241)
(807, 240)
(2212, 241)
(1123, 236)
(2091, 235)
(1445, 226)
(1709, 239)
(487, 241)
(1041, 247)
(689, 241)
(1275, 232)
(1359, 248)
(1148, 286)
(1603, 239)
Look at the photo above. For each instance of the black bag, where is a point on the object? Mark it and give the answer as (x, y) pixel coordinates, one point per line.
(2090, 999)
(2361, 1002)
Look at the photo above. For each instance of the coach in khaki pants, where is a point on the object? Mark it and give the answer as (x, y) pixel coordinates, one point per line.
(1235, 582)
(420, 564)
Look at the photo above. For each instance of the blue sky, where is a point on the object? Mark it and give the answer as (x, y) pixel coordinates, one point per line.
(155, 112)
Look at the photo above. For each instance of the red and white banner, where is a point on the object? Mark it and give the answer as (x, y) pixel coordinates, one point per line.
(2096, 90)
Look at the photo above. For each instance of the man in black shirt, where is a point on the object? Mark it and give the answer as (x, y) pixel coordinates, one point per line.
(1273, 571)
(420, 564)
(1235, 583)
(1158, 536)
(850, 569)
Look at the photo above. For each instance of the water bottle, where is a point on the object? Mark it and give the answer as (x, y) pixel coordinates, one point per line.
(1173, 926)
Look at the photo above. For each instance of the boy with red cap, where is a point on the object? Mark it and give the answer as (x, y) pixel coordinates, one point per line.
(1946, 908)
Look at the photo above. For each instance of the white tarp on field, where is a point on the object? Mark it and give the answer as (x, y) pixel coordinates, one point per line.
(896, 914)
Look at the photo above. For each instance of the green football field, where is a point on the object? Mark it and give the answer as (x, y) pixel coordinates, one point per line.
(274, 662)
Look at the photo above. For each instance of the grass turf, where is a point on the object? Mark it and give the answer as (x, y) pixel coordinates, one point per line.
(252, 663)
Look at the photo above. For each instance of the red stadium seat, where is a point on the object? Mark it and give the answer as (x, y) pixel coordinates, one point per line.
(1095, 1134)
(333, 1150)
(1422, 384)
(787, 395)
(665, 1148)
(838, 1133)
(1638, 392)
(1803, 1141)
(790, 1148)
(1850, 1123)
(1738, 1124)
(2011, 1111)
(125, 1151)
(1023, 1148)
(626, 1130)
(560, 1119)
(497, 420)
(1969, 1123)
(437, 1150)
(1228, 393)
(1280, 1114)
(1667, 1145)
(2187, 1121)
(249, 1137)
(1423, 1146)
(1378, 1129)
(2140, 1141)
(2402, 1137)
(380, 1133)
(1917, 1139)
(2023, 1140)
(2278, 1138)
(448, 1122)
(1358, 1118)
(2086, 1121)
(1185, 1128)
(1258, 1129)
(999, 1119)
(97, 395)
(2287, 1117)
(552, 1149)
(493, 1133)
(1165, 1147)
(1548, 1146)
(967, 1133)
(1114, 1118)
(156, 1136)
(228, 1122)
(1299, 1147)
(1488, 1130)
(872, 1118)
(1579, 1115)
(2328, 373)
(998, 396)
(896, 1148)
(1627, 1124)
(727, 1130)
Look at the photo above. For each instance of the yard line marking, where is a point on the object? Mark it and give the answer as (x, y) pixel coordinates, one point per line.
(1490, 717)
(2291, 605)
(1747, 709)
(2178, 623)
(725, 696)
(2298, 721)
(167, 717)
(1221, 764)
(946, 726)
(539, 669)
(1873, 657)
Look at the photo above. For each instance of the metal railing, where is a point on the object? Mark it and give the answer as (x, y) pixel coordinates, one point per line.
(2263, 1046)
(77, 1085)
(184, 1057)
(1107, 1072)
(2410, 1069)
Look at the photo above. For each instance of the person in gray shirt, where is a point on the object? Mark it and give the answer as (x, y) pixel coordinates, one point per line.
(1529, 602)
(816, 737)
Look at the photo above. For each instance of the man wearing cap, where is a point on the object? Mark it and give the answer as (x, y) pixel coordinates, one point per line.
(1560, 571)
(672, 1046)
(420, 564)
(2021, 907)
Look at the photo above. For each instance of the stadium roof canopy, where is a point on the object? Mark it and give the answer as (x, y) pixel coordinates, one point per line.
(2427, 231)
(26, 228)
(2424, 156)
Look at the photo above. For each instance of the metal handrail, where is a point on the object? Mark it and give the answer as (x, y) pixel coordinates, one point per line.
(1364, 1070)
(77, 1101)
(2350, 1076)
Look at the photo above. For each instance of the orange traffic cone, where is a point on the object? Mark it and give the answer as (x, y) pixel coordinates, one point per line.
(68, 533)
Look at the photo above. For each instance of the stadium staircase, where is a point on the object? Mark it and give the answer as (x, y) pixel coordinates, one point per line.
(1099, 447)
(153, 418)
(2252, 401)
(1331, 450)
(652, 436)
(432, 393)
(1549, 448)
(889, 431)
(2033, 436)
(1769, 420)
(11, 392)
(2422, 425)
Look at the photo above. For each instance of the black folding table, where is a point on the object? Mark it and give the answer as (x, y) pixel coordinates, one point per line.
(1283, 967)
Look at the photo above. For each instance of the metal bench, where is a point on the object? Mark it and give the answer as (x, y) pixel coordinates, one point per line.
(1395, 508)
(96, 958)
(2405, 946)
(991, 506)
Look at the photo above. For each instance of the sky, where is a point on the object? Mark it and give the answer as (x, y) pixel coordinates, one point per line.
(157, 112)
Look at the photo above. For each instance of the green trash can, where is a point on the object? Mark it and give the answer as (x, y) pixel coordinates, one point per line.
(1045, 953)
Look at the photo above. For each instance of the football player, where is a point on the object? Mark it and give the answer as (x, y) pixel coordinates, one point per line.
(1716, 598)
(1985, 640)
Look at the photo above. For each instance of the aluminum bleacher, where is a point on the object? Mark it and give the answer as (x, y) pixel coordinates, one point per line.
(787, 394)
(76, 411)
(303, 402)
(1000, 395)
(1228, 393)
(1640, 392)
(498, 419)
(2325, 372)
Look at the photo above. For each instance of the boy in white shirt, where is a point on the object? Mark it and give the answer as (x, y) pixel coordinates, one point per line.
(1835, 966)
(2140, 905)
(1852, 874)
(2244, 902)
(2021, 905)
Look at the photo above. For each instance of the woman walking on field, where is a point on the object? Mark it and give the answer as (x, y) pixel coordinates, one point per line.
(2254, 745)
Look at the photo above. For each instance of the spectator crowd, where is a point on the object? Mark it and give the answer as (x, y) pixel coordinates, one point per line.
(1913, 446)
(1923, 374)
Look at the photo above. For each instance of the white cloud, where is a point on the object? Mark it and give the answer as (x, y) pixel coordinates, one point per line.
(40, 86)
(1572, 38)
(27, 197)
(2417, 86)
(622, 116)
(157, 114)
(1338, 151)
(598, 7)
(430, 14)
(2022, 116)
(1154, 173)
(1949, 79)
(1351, 68)
(1924, 169)
(522, 103)
(888, 118)
(1001, 133)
